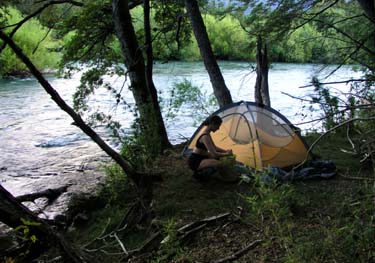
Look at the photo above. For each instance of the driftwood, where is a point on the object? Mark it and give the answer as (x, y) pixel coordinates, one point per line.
(240, 252)
(51, 194)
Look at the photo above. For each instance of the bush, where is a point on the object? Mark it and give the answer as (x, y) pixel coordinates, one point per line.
(34, 40)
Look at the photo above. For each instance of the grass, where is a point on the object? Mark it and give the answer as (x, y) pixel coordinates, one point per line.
(308, 221)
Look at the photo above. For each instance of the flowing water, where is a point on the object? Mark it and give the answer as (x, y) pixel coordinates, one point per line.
(40, 148)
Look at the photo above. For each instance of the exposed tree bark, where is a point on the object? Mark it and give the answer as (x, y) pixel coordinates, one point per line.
(221, 91)
(261, 93)
(149, 72)
(143, 89)
(11, 213)
(368, 7)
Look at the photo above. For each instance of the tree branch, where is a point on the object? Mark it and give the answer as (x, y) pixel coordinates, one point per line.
(338, 82)
(32, 15)
(328, 132)
(240, 252)
(128, 169)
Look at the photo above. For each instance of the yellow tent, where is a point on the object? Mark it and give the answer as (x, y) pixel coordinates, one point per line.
(258, 135)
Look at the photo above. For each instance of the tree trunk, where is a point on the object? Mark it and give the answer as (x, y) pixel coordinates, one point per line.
(128, 169)
(14, 214)
(221, 91)
(142, 86)
(261, 93)
(149, 80)
(368, 6)
(142, 181)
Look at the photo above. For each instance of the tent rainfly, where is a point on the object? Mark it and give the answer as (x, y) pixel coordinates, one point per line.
(258, 135)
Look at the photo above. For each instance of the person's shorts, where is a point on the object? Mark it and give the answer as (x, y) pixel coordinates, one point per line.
(195, 160)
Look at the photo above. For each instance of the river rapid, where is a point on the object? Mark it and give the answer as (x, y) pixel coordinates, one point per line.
(40, 148)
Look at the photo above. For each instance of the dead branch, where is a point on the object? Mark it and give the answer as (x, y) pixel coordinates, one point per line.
(192, 231)
(121, 244)
(100, 235)
(240, 252)
(195, 224)
(142, 248)
(338, 82)
(51, 194)
(355, 178)
(328, 132)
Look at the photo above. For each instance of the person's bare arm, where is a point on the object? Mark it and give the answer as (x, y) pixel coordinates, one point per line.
(212, 149)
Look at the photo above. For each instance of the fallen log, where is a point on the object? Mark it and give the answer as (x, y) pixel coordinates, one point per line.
(40, 234)
(50, 194)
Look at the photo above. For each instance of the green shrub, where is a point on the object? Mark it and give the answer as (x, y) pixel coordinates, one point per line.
(34, 40)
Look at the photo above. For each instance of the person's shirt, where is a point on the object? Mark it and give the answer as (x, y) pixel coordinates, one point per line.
(200, 145)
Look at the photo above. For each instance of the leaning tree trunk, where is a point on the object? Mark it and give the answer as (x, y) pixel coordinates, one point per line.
(221, 91)
(128, 169)
(143, 88)
(140, 180)
(14, 214)
(261, 93)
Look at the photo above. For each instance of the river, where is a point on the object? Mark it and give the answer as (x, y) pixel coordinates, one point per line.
(40, 147)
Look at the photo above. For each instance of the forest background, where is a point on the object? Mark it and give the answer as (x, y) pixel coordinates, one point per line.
(227, 33)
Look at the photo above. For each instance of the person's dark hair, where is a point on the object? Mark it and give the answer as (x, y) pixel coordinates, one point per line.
(213, 120)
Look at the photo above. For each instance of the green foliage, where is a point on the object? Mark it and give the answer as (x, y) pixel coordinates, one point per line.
(91, 80)
(271, 208)
(347, 237)
(328, 104)
(356, 235)
(228, 163)
(91, 42)
(143, 146)
(34, 40)
(184, 93)
(228, 39)
(28, 235)
(171, 29)
(272, 201)
(116, 181)
(355, 105)
(171, 249)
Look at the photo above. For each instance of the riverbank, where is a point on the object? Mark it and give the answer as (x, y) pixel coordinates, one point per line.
(74, 188)
(306, 221)
(191, 221)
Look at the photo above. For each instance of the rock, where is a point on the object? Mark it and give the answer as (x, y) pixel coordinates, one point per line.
(82, 193)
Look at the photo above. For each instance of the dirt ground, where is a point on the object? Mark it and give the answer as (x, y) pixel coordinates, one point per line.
(321, 220)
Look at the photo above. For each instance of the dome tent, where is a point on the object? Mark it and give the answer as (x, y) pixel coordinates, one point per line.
(258, 135)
